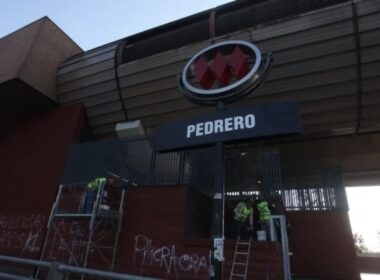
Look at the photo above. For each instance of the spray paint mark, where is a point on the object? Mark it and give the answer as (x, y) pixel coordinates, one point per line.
(147, 254)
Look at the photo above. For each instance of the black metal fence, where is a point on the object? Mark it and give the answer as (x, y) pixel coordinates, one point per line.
(249, 171)
(132, 159)
(313, 189)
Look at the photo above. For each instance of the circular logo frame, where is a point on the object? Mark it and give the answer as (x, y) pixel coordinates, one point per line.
(234, 90)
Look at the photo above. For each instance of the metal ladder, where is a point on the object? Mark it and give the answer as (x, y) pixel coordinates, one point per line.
(242, 249)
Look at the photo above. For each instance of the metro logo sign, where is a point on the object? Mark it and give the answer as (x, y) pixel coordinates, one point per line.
(222, 68)
(220, 74)
(224, 72)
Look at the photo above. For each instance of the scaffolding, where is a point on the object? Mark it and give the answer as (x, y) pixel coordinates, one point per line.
(83, 233)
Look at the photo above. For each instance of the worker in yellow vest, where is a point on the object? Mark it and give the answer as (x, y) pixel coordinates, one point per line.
(91, 192)
(264, 216)
(95, 184)
(243, 217)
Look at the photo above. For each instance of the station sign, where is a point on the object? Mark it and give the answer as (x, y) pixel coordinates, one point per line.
(227, 126)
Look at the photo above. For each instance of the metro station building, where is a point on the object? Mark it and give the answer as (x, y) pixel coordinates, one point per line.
(68, 116)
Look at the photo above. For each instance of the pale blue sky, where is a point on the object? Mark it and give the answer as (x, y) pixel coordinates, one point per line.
(92, 23)
(364, 211)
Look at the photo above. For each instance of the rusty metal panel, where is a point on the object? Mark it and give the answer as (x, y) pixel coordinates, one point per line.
(369, 22)
(370, 54)
(371, 70)
(370, 38)
(86, 71)
(104, 97)
(367, 7)
(150, 98)
(91, 78)
(152, 74)
(309, 30)
(88, 91)
(87, 62)
(87, 81)
(89, 54)
(107, 118)
(315, 63)
(371, 84)
(106, 129)
(104, 108)
(241, 15)
(152, 86)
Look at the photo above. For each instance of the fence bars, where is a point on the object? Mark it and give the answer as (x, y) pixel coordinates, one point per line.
(249, 170)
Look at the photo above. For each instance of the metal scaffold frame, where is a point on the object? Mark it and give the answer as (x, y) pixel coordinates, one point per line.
(88, 231)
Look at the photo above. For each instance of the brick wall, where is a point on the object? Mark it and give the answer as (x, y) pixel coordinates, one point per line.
(153, 235)
(322, 244)
(154, 243)
(32, 156)
(369, 264)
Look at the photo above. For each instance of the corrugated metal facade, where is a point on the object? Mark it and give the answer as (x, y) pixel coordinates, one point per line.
(91, 78)
(316, 62)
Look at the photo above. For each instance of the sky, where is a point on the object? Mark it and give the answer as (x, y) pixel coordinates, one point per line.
(92, 23)
(364, 210)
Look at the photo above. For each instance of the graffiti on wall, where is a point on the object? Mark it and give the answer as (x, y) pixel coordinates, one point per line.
(69, 239)
(22, 233)
(146, 253)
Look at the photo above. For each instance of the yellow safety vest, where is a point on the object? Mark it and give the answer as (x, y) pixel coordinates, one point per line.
(95, 184)
(264, 211)
(243, 212)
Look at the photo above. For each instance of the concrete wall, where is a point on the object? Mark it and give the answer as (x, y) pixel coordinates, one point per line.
(29, 58)
(14, 49)
(50, 48)
(33, 54)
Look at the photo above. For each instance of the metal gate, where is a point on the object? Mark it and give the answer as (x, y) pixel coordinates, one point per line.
(250, 170)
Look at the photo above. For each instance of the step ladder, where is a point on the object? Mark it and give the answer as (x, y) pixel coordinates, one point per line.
(241, 259)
